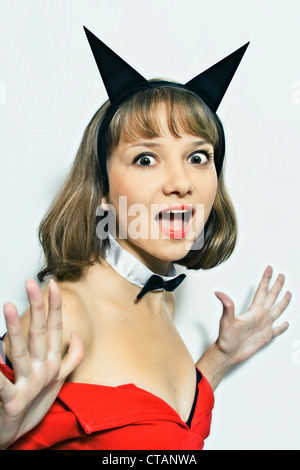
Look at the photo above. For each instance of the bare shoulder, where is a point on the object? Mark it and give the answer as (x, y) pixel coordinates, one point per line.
(73, 316)
(71, 313)
(77, 312)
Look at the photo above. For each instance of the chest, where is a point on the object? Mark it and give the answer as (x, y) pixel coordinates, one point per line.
(146, 351)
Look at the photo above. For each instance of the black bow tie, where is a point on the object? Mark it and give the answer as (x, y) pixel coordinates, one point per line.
(156, 282)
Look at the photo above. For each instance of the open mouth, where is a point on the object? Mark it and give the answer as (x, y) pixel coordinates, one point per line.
(175, 221)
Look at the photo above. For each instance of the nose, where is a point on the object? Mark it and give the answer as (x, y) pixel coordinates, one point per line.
(177, 180)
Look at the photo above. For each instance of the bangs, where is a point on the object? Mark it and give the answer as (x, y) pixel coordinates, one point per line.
(185, 113)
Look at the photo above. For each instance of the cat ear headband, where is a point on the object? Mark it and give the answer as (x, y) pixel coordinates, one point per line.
(122, 82)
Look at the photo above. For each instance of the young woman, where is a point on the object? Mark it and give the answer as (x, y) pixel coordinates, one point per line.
(96, 361)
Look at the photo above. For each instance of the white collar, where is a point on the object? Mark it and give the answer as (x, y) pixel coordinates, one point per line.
(129, 267)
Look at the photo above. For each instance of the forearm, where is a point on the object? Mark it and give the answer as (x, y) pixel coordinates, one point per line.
(214, 365)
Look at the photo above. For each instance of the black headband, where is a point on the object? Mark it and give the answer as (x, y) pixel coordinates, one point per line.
(122, 82)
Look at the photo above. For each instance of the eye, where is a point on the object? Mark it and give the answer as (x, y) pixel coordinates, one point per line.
(144, 160)
(200, 157)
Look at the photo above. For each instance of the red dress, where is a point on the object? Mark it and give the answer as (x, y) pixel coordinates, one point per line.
(126, 417)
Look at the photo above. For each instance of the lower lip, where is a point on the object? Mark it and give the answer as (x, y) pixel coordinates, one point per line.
(176, 234)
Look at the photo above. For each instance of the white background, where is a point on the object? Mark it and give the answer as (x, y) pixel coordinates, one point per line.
(50, 88)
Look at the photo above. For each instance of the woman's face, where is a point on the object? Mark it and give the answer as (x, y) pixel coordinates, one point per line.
(162, 190)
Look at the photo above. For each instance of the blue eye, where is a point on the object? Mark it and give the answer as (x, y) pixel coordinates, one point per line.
(144, 160)
(200, 157)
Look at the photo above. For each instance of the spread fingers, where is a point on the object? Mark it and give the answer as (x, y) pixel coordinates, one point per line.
(37, 335)
(18, 350)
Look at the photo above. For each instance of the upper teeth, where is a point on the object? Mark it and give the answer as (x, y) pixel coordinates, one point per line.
(177, 211)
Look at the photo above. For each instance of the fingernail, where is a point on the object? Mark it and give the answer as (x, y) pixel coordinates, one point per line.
(53, 285)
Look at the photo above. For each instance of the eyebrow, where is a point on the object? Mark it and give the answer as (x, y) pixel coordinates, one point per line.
(156, 144)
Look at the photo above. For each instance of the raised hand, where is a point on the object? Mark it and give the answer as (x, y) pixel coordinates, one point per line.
(40, 370)
(241, 337)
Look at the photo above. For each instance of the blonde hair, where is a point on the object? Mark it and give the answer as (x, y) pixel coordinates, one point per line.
(68, 230)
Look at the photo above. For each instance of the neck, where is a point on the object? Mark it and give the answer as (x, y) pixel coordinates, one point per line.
(130, 266)
(131, 277)
(155, 265)
(121, 294)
